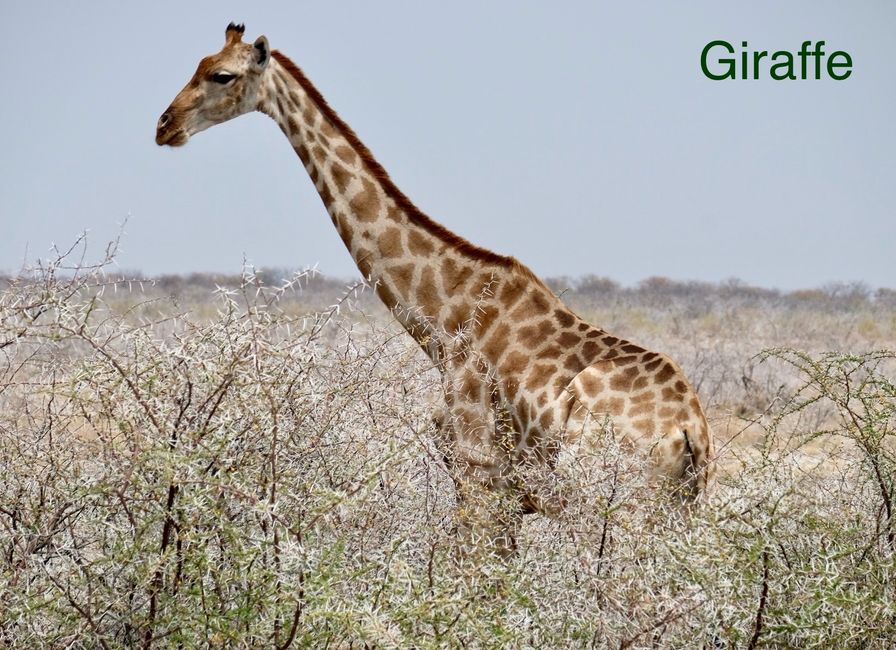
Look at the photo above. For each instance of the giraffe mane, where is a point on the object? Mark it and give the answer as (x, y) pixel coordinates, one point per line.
(415, 214)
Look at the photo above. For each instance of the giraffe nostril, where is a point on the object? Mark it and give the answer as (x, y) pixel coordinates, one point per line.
(164, 120)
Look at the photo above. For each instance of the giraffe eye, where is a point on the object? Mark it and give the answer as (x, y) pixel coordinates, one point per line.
(223, 77)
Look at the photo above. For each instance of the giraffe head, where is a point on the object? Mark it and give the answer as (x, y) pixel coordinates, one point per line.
(225, 85)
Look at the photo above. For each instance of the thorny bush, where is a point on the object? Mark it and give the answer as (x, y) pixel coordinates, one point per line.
(262, 476)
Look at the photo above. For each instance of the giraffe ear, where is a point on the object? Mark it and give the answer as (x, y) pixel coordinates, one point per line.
(261, 51)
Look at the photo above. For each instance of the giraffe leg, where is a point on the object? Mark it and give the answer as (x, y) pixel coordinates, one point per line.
(442, 433)
(488, 508)
(443, 436)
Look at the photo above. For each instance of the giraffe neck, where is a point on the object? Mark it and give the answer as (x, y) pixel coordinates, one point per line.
(397, 248)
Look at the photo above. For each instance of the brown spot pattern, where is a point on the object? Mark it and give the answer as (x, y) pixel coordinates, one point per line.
(389, 243)
(366, 203)
(347, 154)
(326, 196)
(364, 258)
(485, 317)
(669, 395)
(402, 275)
(511, 292)
(590, 350)
(550, 352)
(533, 335)
(341, 176)
(457, 318)
(419, 244)
(564, 318)
(540, 302)
(611, 405)
(622, 380)
(428, 292)
(644, 408)
(666, 411)
(573, 363)
(328, 129)
(454, 275)
(591, 385)
(665, 374)
(644, 425)
(514, 364)
(539, 375)
(533, 307)
(568, 339)
(497, 342)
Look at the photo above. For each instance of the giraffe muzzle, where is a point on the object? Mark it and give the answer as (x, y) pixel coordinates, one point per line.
(166, 135)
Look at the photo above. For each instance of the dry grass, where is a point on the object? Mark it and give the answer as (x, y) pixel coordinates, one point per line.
(245, 468)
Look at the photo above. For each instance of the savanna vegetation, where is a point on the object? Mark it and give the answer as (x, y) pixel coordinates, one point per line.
(247, 462)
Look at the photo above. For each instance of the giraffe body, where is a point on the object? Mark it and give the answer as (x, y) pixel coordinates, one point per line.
(520, 370)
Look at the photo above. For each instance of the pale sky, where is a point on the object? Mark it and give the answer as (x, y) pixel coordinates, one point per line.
(580, 137)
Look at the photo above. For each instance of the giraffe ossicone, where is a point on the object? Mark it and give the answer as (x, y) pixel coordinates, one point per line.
(523, 375)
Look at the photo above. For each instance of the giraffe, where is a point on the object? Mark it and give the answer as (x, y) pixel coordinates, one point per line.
(521, 373)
